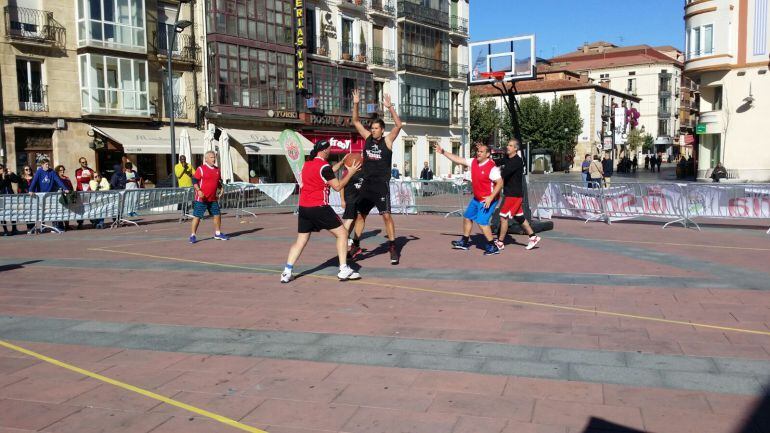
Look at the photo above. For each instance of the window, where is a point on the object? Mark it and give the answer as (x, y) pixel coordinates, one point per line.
(456, 168)
(347, 37)
(631, 86)
(432, 157)
(112, 24)
(262, 168)
(424, 49)
(604, 76)
(700, 41)
(260, 20)
(424, 99)
(250, 77)
(568, 98)
(717, 105)
(113, 85)
(664, 106)
(632, 73)
(408, 148)
(760, 27)
(311, 34)
(29, 78)
(663, 128)
(330, 86)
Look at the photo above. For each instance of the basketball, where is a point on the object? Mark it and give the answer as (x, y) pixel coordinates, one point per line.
(353, 158)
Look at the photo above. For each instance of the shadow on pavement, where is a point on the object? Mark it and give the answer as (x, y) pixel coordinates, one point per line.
(14, 266)
(244, 232)
(598, 425)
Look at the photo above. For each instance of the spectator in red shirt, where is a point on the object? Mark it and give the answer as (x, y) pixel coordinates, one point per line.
(208, 188)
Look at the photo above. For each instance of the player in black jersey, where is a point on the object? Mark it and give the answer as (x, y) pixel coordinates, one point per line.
(512, 171)
(378, 158)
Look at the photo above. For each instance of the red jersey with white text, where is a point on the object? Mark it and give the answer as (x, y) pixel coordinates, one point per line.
(483, 177)
(208, 177)
(316, 175)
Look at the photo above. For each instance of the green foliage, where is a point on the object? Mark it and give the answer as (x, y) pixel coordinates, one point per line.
(649, 144)
(554, 126)
(635, 140)
(485, 119)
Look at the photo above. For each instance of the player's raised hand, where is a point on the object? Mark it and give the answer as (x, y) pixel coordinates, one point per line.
(386, 103)
(356, 96)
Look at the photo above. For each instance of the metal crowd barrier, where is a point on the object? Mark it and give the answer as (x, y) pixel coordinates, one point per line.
(677, 202)
(19, 209)
(155, 201)
(87, 206)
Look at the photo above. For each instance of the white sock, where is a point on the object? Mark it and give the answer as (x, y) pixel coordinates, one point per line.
(217, 233)
(343, 267)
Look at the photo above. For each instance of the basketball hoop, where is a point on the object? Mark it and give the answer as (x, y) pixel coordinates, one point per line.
(498, 76)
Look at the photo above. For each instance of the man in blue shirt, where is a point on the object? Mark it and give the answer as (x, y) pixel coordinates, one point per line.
(46, 180)
(394, 173)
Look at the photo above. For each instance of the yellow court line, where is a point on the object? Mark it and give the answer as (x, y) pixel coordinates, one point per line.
(132, 388)
(465, 295)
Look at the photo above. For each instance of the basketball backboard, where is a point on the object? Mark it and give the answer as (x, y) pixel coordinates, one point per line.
(515, 56)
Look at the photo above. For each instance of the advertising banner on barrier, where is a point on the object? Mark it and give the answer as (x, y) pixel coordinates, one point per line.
(728, 201)
(402, 199)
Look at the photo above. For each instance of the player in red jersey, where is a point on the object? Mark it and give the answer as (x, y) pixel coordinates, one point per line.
(315, 214)
(487, 183)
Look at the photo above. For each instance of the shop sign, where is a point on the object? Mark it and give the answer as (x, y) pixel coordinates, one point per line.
(327, 26)
(299, 42)
(700, 128)
(337, 121)
(283, 114)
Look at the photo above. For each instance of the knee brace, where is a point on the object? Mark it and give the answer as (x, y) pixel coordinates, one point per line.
(519, 219)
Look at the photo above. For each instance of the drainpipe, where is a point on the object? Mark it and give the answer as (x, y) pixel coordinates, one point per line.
(195, 74)
(3, 147)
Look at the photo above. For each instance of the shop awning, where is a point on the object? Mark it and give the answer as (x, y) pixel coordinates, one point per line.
(689, 139)
(263, 142)
(150, 140)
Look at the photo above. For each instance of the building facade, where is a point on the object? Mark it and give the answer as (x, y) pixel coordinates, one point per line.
(594, 101)
(727, 57)
(652, 74)
(86, 78)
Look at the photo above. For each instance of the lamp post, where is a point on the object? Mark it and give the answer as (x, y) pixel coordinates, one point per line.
(179, 27)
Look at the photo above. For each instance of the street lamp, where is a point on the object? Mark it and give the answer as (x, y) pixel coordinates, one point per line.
(179, 27)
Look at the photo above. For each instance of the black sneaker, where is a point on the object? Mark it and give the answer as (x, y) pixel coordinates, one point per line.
(461, 244)
(355, 252)
(394, 255)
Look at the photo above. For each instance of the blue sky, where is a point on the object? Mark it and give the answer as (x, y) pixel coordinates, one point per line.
(561, 26)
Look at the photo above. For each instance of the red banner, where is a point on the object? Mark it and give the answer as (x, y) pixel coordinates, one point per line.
(341, 142)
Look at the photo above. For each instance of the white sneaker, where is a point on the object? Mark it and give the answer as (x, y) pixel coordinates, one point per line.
(350, 242)
(500, 244)
(348, 274)
(532, 242)
(285, 276)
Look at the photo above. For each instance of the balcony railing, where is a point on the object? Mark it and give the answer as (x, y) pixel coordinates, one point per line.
(33, 98)
(382, 57)
(458, 72)
(424, 114)
(185, 49)
(423, 65)
(352, 52)
(33, 25)
(458, 25)
(606, 111)
(179, 105)
(358, 5)
(417, 12)
(664, 112)
(382, 7)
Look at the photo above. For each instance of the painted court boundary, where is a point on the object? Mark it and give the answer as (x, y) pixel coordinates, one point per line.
(460, 294)
(132, 388)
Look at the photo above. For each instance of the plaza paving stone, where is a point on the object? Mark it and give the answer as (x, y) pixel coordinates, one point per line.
(600, 321)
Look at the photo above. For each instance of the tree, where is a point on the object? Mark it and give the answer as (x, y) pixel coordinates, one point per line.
(635, 140)
(649, 144)
(485, 119)
(566, 125)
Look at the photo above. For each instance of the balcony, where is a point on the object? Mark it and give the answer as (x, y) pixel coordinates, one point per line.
(458, 72)
(424, 65)
(424, 114)
(417, 12)
(33, 98)
(350, 52)
(458, 25)
(32, 26)
(185, 49)
(664, 112)
(179, 105)
(606, 112)
(383, 8)
(352, 5)
(382, 58)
